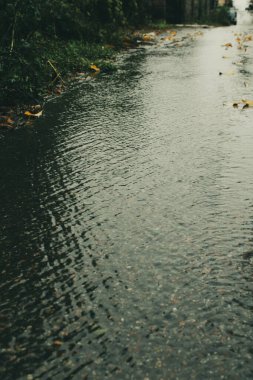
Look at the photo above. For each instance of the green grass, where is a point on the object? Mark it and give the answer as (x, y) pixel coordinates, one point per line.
(36, 67)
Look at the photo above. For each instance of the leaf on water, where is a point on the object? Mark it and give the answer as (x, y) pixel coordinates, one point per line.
(95, 68)
(248, 102)
(242, 104)
(10, 121)
(30, 114)
(6, 119)
(248, 37)
(228, 45)
(57, 343)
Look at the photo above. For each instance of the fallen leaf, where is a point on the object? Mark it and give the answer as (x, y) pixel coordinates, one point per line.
(95, 68)
(10, 121)
(57, 343)
(228, 45)
(167, 38)
(248, 37)
(148, 37)
(242, 104)
(30, 114)
(248, 102)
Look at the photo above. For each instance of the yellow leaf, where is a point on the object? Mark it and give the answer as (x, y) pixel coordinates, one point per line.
(228, 45)
(167, 38)
(29, 114)
(148, 37)
(95, 68)
(249, 37)
(249, 103)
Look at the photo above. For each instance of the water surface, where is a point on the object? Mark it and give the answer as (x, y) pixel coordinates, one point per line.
(127, 222)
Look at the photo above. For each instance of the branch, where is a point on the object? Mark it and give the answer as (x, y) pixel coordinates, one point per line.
(58, 75)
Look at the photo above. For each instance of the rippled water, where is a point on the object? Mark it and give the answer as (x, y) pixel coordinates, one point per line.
(127, 223)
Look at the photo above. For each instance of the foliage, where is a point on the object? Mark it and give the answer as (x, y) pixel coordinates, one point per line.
(62, 31)
(25, 74)
(67, 18)
(220, 16)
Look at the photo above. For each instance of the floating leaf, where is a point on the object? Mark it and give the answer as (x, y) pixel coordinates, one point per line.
(227, 45)
(30, 114)
(248, 102)
(248, 37)
(242, 104)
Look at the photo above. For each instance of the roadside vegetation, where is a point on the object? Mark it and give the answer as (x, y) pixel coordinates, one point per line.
(44, 41)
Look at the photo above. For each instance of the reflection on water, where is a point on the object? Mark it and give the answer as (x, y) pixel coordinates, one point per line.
(126, 234)
(243, 17)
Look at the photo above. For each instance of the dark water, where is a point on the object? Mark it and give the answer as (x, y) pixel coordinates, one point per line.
(127, 223)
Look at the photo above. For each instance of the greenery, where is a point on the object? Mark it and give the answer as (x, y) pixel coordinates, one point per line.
(220, 16)
(44, 37)
(36, 66)
(43, 41)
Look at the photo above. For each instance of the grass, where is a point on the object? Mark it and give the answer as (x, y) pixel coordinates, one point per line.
(34, 68)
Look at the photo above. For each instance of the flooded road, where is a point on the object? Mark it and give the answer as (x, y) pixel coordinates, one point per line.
(126, 246)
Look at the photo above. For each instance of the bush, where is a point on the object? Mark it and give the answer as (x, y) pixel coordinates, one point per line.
(220, 16)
